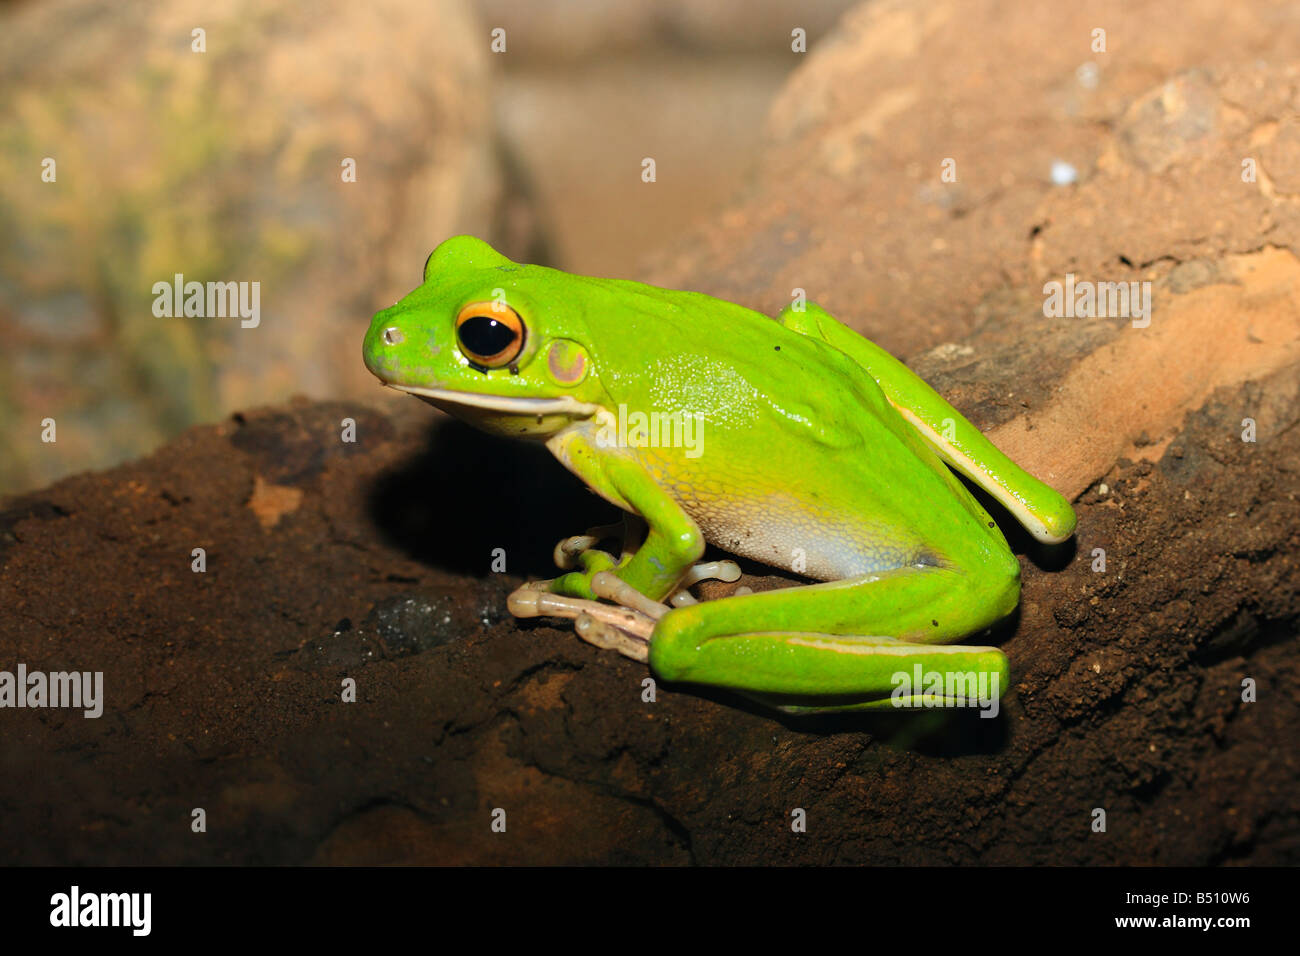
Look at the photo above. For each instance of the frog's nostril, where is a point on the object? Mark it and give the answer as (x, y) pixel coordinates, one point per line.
(393, 336)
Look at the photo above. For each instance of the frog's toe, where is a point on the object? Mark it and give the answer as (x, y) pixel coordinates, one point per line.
(704, 571)
(531, 600)
(610, 586)
(728, 571)
(710, 571)
(569, 551)
(528, 601)
(609, 637)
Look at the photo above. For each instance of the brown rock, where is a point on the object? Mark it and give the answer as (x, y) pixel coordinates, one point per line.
(224, 688)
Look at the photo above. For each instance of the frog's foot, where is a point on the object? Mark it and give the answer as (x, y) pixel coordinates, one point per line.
(579, 551)
(531, 601)
(625, 628)
(609, 637)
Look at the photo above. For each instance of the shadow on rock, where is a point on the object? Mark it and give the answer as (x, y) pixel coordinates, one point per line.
(468, 494)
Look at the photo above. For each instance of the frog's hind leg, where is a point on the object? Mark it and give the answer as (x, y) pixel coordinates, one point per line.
(846, 645)
(1037, 507)
(922, 676)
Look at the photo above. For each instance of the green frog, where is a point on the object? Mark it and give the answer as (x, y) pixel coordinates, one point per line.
(794, 442)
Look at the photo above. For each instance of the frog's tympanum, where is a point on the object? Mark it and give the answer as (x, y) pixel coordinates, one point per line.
(794, 442)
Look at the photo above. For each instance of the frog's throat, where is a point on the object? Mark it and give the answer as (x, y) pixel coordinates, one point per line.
(506, 405)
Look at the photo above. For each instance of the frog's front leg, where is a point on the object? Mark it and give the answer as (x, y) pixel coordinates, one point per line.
(842, 645)
(661, 568)
(672, 544)
(581, 551)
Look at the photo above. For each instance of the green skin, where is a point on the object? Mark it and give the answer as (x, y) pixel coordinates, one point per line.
(820, 453)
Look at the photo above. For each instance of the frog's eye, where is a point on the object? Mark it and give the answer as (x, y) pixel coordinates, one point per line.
(490, 334)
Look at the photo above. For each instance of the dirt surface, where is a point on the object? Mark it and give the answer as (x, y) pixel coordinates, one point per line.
(371, 561)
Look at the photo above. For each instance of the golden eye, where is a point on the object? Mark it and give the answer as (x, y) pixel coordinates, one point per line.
(490, 336)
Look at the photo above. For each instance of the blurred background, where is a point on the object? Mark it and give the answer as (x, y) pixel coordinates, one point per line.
(132, 150)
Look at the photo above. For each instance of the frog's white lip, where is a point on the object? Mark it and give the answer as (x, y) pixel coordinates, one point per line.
(518, 405)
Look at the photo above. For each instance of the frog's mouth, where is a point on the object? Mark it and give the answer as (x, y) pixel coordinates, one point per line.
(504, 414)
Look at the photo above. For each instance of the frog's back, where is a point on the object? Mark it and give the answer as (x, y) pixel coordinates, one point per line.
(800, 461)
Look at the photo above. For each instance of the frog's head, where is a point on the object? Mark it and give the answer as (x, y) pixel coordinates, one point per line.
(495, 343)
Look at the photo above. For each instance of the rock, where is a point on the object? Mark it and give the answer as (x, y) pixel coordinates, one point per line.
(223, 165)
(1128, 654)
(574, 31)
(848, 204)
